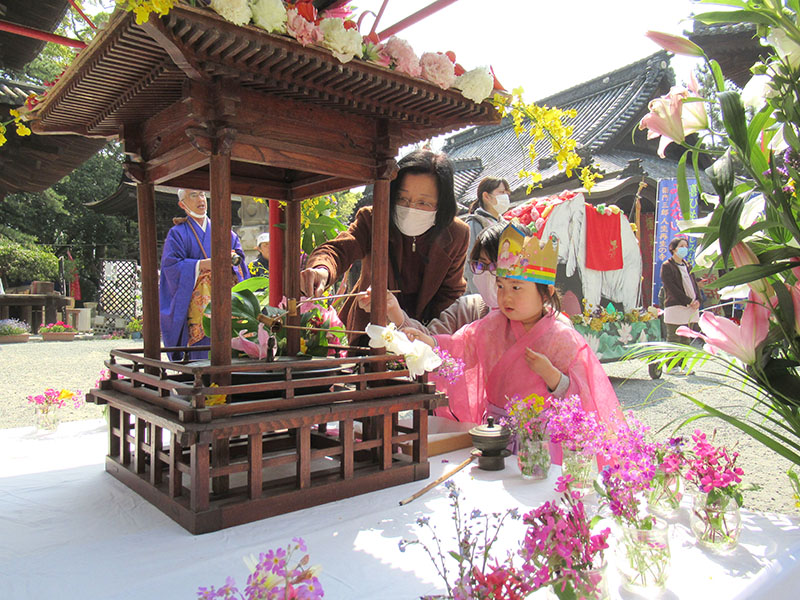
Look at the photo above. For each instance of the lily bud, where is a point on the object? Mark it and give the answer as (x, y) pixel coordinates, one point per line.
(675, 43)
(742, 255)
(795, 292)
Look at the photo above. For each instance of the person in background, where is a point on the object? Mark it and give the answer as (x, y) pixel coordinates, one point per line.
(485, 210)
(681, 293)
(260, 266)
(427, 244)
(184, 287)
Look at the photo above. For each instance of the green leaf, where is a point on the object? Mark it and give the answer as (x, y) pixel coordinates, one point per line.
(735, 121)
(757, 125)
(748, 273)
(683, 186)
(729, 226)
(252, 284)
(716, 71)
(736, 16)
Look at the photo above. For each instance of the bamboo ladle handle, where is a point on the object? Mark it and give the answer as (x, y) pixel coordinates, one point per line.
(473, 455)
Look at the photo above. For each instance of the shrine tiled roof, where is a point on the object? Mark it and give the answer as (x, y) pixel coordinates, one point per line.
(735, 46)
(609, 107)
(17, 51)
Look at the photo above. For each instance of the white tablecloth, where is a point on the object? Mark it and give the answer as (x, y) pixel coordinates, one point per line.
(67, 529)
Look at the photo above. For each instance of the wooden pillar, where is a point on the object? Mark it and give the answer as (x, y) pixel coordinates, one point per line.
(380, 241)
(276, 252)
(148, 256)
(221, 259)
(291, 275)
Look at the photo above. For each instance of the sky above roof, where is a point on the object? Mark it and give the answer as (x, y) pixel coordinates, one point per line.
(545, 46)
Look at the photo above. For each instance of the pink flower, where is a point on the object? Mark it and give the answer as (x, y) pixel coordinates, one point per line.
(742, 255)
(437, 68)
(675, 43)
(403, 57)
(740, 341)
(672, 118)
(304, 31)
(253, 350)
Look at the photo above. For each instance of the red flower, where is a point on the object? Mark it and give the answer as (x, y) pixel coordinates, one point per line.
(451, 55)
(459, 70)
(305, 8)
(348, 24)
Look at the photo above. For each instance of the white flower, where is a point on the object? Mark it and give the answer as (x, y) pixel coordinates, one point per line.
(787, 48)
(389, 337)
(269, 14)
(421, 358)
(344, 43)
(625, 333)
(236, 11)
(594, 343)
(476, 85)
(643, 337)
(757, 90)
(438, 68)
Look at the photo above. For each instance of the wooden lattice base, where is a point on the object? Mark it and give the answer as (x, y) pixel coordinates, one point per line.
(208, 476)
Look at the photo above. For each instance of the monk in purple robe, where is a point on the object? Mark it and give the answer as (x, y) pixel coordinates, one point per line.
(185, 284)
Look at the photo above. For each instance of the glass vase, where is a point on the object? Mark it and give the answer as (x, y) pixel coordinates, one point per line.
(593, 585)
(47, 420)
(533, 457)
(716, 521)
(583, 468)
(665, 494)
(643, 558)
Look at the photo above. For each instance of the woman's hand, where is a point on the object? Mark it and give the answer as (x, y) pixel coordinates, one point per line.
(313, 281)
(695, 304)
(393, 310)
(416, 334)
(542, 366)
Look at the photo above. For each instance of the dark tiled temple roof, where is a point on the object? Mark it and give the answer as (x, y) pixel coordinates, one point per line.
(609, 108)
(33, 163)
(735, 46)
(17, 51)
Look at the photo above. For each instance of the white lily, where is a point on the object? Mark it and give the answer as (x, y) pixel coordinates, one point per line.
(421, 358)
(389, 337)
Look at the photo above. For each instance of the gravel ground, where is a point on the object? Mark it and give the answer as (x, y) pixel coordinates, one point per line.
(33, 367)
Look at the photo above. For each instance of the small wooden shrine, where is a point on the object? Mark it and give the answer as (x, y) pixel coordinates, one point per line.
(201, 103)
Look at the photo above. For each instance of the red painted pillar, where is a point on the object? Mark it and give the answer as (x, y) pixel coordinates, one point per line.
(276, 245)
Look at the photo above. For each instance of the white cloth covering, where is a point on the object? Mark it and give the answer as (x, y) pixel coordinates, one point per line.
(70, 530)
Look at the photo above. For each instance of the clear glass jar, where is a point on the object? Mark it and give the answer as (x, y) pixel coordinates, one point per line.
(47, 420)
(665, 494)
(533, 457)
(716, 521)
(643, 557)
(583, 468)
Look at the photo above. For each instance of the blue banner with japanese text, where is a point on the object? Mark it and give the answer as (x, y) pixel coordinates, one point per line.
(668, 213)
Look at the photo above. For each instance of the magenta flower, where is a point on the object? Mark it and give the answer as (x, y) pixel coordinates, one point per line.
(741, 341)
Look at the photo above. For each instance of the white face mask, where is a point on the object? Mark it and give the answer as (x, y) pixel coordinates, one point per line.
(413, 221)
(486, 283)
(501, 203)
(194, 214)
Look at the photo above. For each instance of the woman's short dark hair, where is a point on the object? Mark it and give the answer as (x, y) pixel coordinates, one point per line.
(488, 240)
(675, 241)
(425, 162)
(487, 184)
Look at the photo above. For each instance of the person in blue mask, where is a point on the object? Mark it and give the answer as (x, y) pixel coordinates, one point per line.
(681, 293)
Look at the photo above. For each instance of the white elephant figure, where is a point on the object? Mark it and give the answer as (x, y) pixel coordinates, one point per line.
(567, 221)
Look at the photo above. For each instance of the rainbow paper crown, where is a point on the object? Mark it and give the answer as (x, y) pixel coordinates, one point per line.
(523, 256)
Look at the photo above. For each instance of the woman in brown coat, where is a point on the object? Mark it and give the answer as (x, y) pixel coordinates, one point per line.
(681, 294)
(427, 244)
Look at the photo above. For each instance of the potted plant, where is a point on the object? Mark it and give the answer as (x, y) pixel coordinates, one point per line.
(13, 331)
(57, 332)
(134, 328)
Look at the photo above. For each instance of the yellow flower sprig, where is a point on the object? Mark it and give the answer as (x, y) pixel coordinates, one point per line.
(143, 8)
(22, 129)
(542, 122)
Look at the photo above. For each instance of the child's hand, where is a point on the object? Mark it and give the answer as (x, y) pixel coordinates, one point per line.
(393, 310)
(416, 334)
(542, 366)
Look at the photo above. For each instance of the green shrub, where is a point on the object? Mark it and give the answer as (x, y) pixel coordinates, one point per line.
(20, 263)
(13, 327)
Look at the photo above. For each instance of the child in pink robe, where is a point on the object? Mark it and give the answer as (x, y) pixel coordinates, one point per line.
(524, 348)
